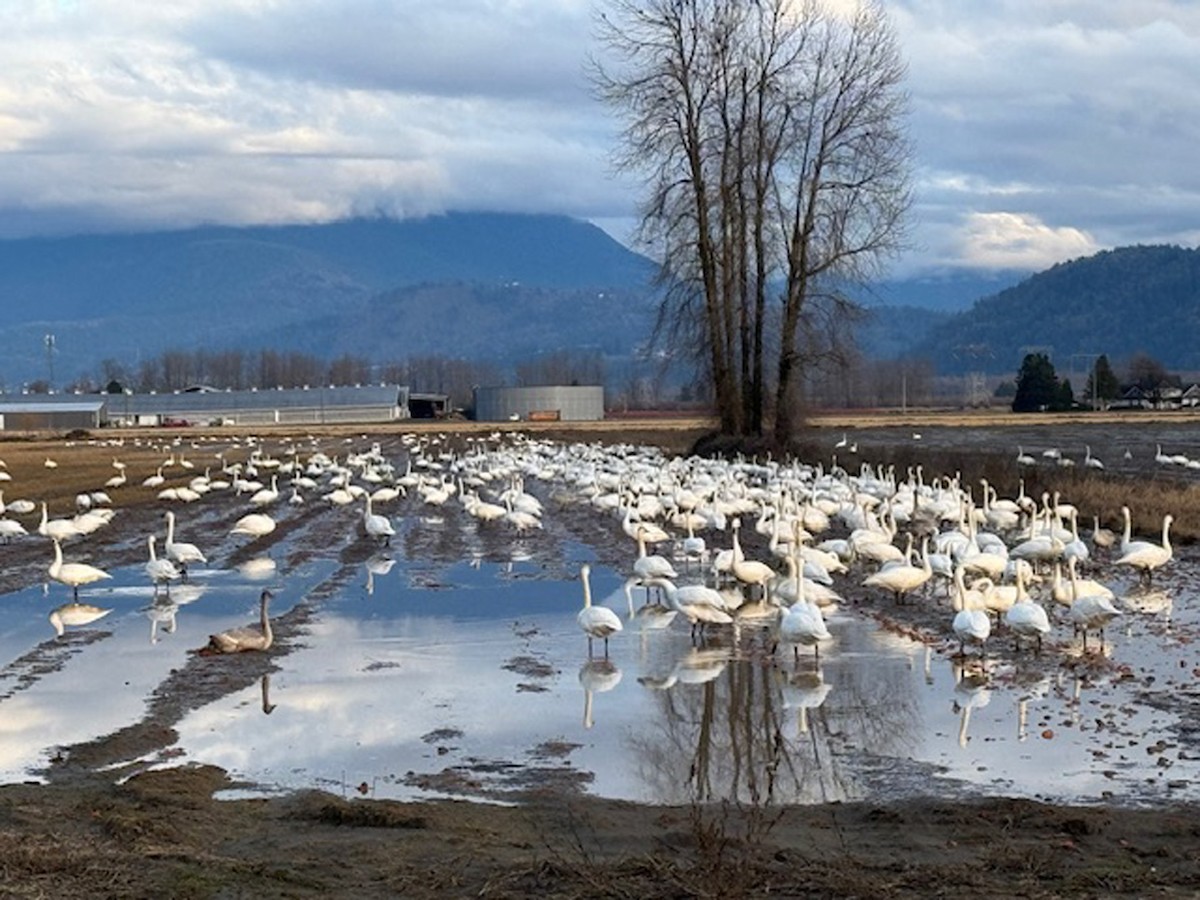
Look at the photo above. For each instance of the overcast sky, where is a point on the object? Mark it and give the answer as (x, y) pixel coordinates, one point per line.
(1044, 129)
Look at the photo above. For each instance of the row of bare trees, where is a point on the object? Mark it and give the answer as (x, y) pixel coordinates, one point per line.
(771, 143)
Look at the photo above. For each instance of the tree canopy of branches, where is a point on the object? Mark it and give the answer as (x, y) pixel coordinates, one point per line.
(771, 141)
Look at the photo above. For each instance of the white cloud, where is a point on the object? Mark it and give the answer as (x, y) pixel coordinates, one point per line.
(1020, 241)
(120, 113)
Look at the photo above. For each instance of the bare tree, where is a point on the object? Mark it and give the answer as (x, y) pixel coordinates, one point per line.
(770, 138)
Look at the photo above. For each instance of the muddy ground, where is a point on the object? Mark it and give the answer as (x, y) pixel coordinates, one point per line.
(102, 827)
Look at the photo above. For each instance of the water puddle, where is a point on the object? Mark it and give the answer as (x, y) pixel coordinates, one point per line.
(472, 679)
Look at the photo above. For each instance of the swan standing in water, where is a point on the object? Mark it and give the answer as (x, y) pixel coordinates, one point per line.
(160, 571)
(596, 621)
(248, 637)
(73, 574)
(376, 526)
(180, 552)
(971, 623)
(803, 623)
(1026, 618)
(1089, 611)
(1146, 556)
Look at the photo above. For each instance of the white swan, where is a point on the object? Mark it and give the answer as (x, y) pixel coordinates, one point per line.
(180, 552)
(803, 623)
(750, 572)
(10, 528)
(596, 621)
(73, 574)
(266, 496)
(1026, 618)
(700, 605)
(248, 637)
(160, 571)
(254, 525)
(375, 525)
(650, 566)
(56, 529)
(1146, 556)
(971, 624)
(903, 578)
(1090, 611)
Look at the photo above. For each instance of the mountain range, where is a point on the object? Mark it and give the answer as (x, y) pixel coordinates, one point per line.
(1121, 302)
(454, 285)
(501, 287)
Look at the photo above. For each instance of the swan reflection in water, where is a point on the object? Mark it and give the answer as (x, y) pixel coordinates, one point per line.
(267, 706)
(596, 676)
(379, 564)
(802, 691)
(970, 693)
(163, 610)
(699, 665)
(650, 616)
(260, 568)
(70, 614)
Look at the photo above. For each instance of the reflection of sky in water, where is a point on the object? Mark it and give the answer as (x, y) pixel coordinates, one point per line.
(493, 660)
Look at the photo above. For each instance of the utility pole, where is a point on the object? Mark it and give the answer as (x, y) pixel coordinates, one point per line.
(1089, 360)
(50, 358)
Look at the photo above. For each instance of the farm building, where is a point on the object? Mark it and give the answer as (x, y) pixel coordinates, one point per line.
(52, 413)
(567, 403)
(290, 406)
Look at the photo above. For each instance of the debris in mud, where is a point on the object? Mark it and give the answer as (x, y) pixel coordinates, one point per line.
(438, 735)
(554, 749)
(530, 667)
(378, 666)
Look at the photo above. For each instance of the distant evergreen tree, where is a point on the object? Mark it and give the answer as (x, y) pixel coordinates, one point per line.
(1037, 385)
(1102, 384)
(1066, 397)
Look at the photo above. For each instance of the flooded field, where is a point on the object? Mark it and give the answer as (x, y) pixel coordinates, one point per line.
(450, 663)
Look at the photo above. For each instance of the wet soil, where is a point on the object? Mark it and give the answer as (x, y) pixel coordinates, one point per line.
(103, 826)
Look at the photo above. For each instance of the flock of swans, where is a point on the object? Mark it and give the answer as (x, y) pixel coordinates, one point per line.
(832, 534)
(175, 482)
(820, 534)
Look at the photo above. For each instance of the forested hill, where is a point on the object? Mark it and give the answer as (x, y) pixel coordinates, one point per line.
(129, 297)
(1118, 302)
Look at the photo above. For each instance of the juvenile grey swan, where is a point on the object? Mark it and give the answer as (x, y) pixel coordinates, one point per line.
(248, 637)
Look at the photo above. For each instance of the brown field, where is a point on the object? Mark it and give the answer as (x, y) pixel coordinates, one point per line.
(161, 834)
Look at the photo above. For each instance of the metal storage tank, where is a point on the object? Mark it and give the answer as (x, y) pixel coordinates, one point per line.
(547, 403)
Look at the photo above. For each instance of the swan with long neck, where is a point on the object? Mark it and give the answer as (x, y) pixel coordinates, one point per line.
(1089, 611)
(802, 622)
(160, 571)
(180, 552)
(248, 637)
(1146, 556)
(73, 574)
(595, 621)
(1026, 618)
